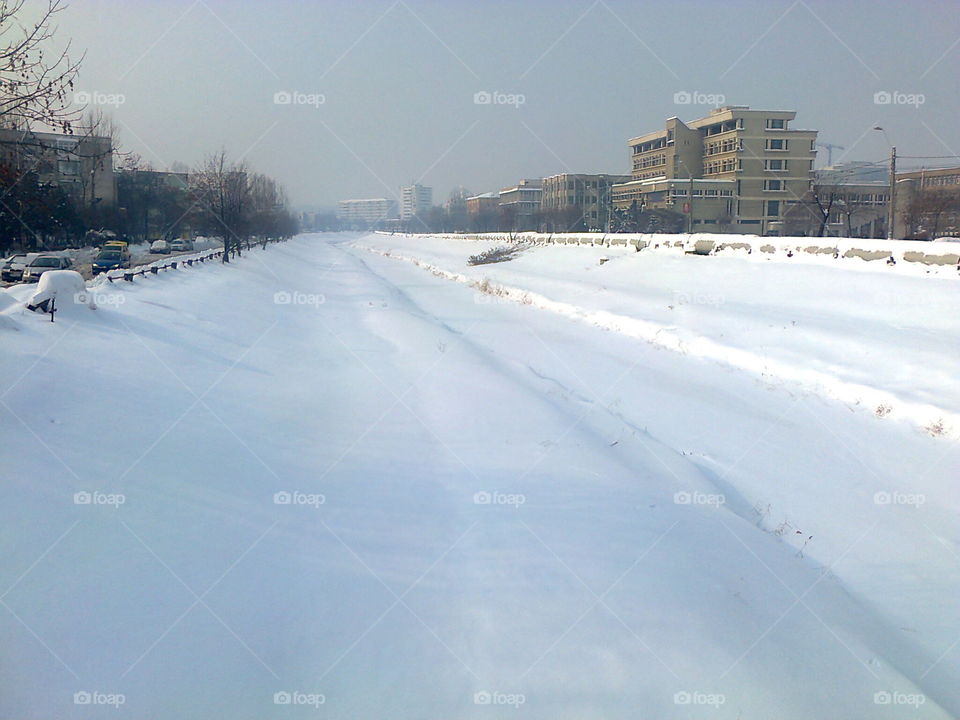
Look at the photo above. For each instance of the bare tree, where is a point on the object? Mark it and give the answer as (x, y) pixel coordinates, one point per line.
(34, 87)
(221, 192)
(927, 209)
(95, 125)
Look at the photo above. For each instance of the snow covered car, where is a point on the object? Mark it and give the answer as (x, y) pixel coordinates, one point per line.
(41, 264)
(181, 245)
(161, 247)
(12, 270)
(110, 258)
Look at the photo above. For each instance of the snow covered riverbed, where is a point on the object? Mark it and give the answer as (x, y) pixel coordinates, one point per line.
(327, 476)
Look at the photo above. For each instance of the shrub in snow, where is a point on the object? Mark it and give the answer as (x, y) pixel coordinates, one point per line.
(64, 286)
(501, 253)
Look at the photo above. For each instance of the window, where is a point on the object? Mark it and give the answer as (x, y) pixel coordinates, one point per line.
(776, 124)
(773, 208)
(776, 165)
(710, 193)
(813, 146)
(69, 167)
(777, 144)
(772, 185)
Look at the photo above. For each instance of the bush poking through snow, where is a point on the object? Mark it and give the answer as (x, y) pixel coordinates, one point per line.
(501, 253)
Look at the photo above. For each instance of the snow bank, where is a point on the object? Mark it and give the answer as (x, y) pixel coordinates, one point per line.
(945, 253)
(741, 318)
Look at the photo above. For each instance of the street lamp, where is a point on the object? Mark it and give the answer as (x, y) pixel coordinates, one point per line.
(892, 209)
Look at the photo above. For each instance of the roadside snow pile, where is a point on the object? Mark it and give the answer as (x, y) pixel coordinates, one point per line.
(63, 287)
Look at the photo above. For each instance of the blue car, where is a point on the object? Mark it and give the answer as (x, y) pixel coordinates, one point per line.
(108, 261)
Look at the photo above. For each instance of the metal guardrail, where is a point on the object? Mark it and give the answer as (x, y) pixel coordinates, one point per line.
(127, 274)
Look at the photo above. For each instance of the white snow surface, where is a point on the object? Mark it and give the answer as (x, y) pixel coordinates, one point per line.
(646, 488)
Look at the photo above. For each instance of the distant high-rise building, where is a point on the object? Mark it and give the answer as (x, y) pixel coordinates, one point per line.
(415, 200)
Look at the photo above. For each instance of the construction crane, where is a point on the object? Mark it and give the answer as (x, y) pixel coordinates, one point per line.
(830, 147)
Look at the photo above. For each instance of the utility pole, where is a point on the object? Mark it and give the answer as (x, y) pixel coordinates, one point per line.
(689, 197)
(892, 214)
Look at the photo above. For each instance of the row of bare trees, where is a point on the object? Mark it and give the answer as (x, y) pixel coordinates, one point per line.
(242, 206)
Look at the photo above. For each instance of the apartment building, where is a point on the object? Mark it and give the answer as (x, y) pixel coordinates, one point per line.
(366, 211)
(756, 162)
(520, 204)
(80, 164)
(581, 200)
(415, 200)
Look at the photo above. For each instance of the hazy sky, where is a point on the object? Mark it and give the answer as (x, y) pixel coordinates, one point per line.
(398, 81)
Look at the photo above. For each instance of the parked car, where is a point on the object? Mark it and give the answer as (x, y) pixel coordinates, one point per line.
(181, 245)
(161, 247)
(110, 258)
(40, 264)
(12, 269)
